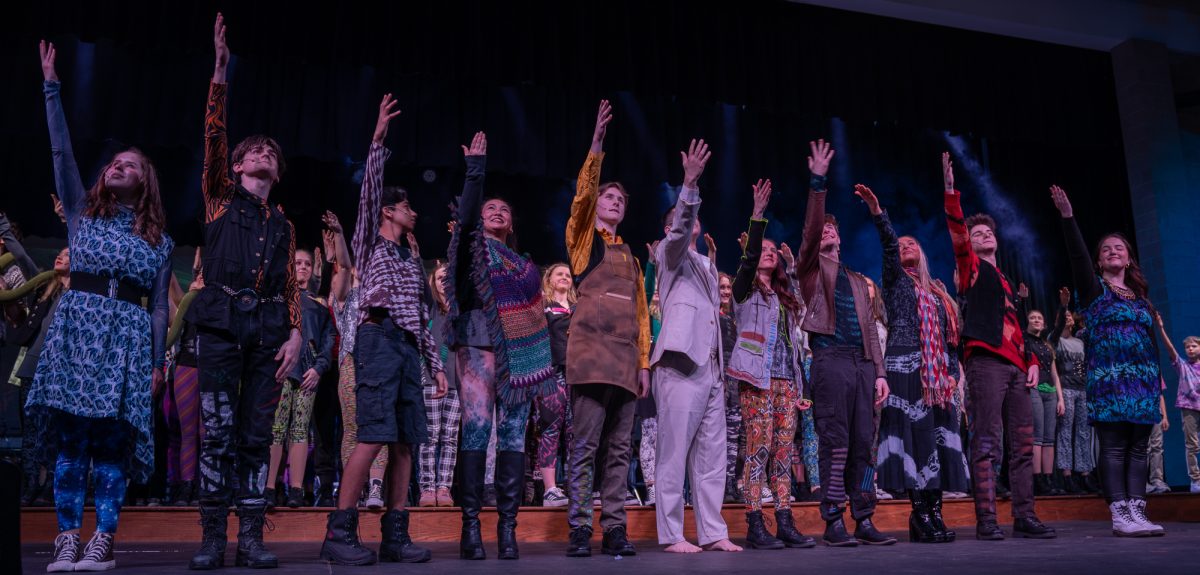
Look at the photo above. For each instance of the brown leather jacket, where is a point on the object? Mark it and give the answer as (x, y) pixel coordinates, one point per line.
(817, 276)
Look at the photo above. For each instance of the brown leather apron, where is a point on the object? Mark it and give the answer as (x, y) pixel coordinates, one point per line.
(602, 343)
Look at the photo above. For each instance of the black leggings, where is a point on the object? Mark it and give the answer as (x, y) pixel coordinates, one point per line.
(1124, 466)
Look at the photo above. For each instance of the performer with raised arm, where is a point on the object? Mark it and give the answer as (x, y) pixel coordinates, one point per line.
(392, 338)
(1123, 379)
(1000, 371)
(247, 320)
(103, 353)
(920, 447)
(608, 352)
(848, 378)
(687, 369)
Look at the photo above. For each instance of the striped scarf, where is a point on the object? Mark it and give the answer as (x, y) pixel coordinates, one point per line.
(937, 386)
(520, 339)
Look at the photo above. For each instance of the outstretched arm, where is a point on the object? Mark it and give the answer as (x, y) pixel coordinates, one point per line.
(370, 195)
(582, 222)
(743, 280)
(887, 236)
(675, 246)
(1162, 331)
(965, 260)
(1077, 251)
(814, 216)
(66, 172)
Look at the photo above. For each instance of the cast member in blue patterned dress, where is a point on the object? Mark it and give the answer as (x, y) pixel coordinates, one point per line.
(103, 350)
(1124, 385)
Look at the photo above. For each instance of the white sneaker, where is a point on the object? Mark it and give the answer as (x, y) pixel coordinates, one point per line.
(650, 495)
(882, 495)
(554, 498)
(954, 495)
(98, 555)
(1123, 522)
(1157, 488)
(374, 494)
(66, 553)
(1195, 487)
(767, 497)
(1137, 508)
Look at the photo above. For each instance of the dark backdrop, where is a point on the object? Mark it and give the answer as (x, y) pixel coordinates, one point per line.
(756, 79)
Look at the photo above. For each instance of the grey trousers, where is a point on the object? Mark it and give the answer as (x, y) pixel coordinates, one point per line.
(602, 413)
(690, 400)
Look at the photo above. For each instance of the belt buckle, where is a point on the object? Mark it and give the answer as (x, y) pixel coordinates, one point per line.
(112, 288)
(246, 300)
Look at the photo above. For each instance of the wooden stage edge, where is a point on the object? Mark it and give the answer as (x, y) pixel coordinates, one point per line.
(536, 524)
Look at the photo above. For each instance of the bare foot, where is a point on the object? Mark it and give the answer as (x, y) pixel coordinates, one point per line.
(723, 545)
(683, 547)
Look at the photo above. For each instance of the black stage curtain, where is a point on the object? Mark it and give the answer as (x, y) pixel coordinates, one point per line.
(756, 79)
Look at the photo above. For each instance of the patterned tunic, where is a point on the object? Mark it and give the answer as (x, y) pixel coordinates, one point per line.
(1123, 379)
(99, 351)
(1122, 360)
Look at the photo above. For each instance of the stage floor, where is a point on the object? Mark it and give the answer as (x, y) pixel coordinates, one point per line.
(1083, 547)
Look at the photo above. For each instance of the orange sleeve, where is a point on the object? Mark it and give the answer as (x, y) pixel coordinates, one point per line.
(582, 222)
(215, 185)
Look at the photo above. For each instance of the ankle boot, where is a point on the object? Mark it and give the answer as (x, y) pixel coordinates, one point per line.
(510, 472)
(397, 546)
(470, 478)
(920, 522)
(250, 550)
(866, 533)
(341, 545)
(835, 527)
(934, 499)
(785, 530)
(757, 535)
(213, 520)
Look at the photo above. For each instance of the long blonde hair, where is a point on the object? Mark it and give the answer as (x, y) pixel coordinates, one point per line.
(548, 290)
(928, 283)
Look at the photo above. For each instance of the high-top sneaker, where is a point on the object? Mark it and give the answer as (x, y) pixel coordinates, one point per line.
(66, 553)
(98, 555)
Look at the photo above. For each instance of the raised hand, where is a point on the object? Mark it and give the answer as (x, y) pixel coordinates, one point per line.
(1061, 201)
(694, 161)
(48, 53)
(1023, 291)
(478, 145)
(603, 117)
(387, 111)
(332, 222)
(58, 208)
(221, 48)
(652, 251)
(762, 197)
(413, 246)
(743, 240)
(789, 258)
(712, 248)
(947, 173)
(822, 153)
(329, 241)
(869, 198)
(1064, 296)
